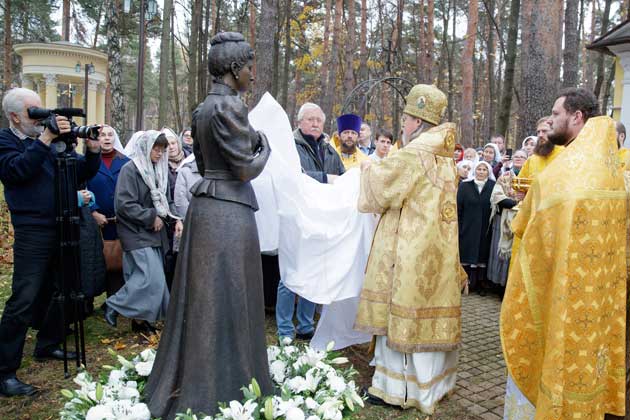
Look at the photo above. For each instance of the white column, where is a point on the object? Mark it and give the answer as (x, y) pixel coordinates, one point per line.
(91, 102)
(51, 90)
(27, 82)
(100, 104)
(623, 52)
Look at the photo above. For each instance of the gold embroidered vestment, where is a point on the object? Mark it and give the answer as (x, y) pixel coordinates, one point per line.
(412, 287)
(564, 313)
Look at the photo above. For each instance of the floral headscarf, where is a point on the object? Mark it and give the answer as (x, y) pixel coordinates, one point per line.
(155, 176)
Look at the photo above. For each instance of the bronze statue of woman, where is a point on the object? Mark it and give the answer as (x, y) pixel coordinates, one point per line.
(213, 342)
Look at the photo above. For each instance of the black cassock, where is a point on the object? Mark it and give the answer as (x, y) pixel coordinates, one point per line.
(473, 211)
(214, 339)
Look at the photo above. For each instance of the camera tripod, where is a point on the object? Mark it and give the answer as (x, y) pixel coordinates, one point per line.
(69, 298)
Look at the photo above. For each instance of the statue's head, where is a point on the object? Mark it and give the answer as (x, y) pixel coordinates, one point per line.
(231, 54)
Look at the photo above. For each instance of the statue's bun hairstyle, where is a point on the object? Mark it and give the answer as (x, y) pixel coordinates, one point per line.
(227, 48)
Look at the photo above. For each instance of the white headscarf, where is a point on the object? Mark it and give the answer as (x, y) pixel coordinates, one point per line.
(155, 176)
(130, 148)
(534, 138)
(497, 153)
(474, 170)
(117, 144)
(471, 164)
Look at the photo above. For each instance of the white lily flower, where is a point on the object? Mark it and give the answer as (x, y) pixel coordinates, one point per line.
(124, 362)
(297, 384)
(329, 410)
(313, 418)
(336, 383)
(238, 411)
(148, 355)
(286, 341)
(272, 353)
(339, 360)
(330, 347)
(144, 368)
(100, 412)
(289, 350)
(278, 370)
(311, 404)
(116, 376)
(294, 413)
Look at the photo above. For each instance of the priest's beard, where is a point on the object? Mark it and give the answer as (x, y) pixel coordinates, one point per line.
(349, 150)
(543, 147)
(559, 135)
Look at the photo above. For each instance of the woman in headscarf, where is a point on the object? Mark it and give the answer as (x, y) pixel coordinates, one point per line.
(103, 185)
(492, 155)
(529, 144)
(458, 154)
(465, 170)
(502, 200)
(176, 155)
(187, 141)
(473, 211)
(214, 338)
(142, 210)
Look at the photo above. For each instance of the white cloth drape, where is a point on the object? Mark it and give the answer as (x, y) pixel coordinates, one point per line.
(322, 240)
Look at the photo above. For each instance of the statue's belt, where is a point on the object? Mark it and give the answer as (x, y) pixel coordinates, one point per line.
(219, 174)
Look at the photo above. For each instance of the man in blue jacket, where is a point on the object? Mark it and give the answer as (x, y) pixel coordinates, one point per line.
(27, 171)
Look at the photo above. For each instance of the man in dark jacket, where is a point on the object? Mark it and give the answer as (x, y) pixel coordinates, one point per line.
(320, 161)
(27, 171)
(318, 158)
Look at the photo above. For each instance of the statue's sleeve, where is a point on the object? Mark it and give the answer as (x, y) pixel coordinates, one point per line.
(196, 145)
(386, 184)
(245, 150)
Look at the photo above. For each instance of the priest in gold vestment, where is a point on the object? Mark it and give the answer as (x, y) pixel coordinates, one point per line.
(411, 296)
(564, 314)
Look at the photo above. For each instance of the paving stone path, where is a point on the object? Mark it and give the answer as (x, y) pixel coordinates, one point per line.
(481, 374)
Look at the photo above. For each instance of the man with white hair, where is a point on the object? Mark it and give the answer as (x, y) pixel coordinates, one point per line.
(320, 161)
(27, 171)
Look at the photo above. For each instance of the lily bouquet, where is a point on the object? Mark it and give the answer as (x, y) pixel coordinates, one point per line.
(312, 384)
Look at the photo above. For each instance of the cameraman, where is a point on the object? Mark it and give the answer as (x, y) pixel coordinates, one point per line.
(27, 171)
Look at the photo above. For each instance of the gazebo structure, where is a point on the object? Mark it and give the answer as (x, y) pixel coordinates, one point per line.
(57, 72)
(616, 42)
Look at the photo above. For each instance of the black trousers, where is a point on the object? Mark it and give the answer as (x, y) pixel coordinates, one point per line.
(33, 284)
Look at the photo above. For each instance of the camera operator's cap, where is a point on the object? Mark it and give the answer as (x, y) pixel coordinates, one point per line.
(349, 122)
(426, 102)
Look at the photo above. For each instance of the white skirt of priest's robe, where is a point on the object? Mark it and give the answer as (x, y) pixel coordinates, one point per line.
(336, 324)
(417, 380)
(517, 406)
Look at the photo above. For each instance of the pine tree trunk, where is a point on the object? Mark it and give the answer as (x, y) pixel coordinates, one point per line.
(503, 122)
(164, 67)
(467, 110)
(571, 44)
(444, 45)
(600, 57)
(98, 25)
(363, 53)
(264, 45)
(202, 61)
(178, 114)
(8, 47)
(327, 103)
(349, 47)
(451, 59)
(192, 56)
(65, 21)
(420, 44)
(114, 58)
(284, 92)
(540, 70)
(252, 27)
(326, 57)
(490, 98)
(428, 42)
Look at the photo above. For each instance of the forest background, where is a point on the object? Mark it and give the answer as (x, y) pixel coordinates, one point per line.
(499, 61)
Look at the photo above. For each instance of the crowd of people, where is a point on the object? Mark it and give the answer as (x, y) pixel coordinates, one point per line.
(137, 201)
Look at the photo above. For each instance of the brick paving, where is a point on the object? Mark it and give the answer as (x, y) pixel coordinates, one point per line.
(481, 374)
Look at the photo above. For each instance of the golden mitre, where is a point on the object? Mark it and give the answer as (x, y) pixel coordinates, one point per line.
(426, 102)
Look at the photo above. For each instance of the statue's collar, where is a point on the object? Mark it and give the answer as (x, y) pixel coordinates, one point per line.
(220, 88)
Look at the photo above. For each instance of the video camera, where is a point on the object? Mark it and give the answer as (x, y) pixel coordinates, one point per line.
(48, 118)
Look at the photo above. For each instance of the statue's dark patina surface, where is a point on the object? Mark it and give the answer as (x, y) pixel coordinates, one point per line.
(214, 339)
